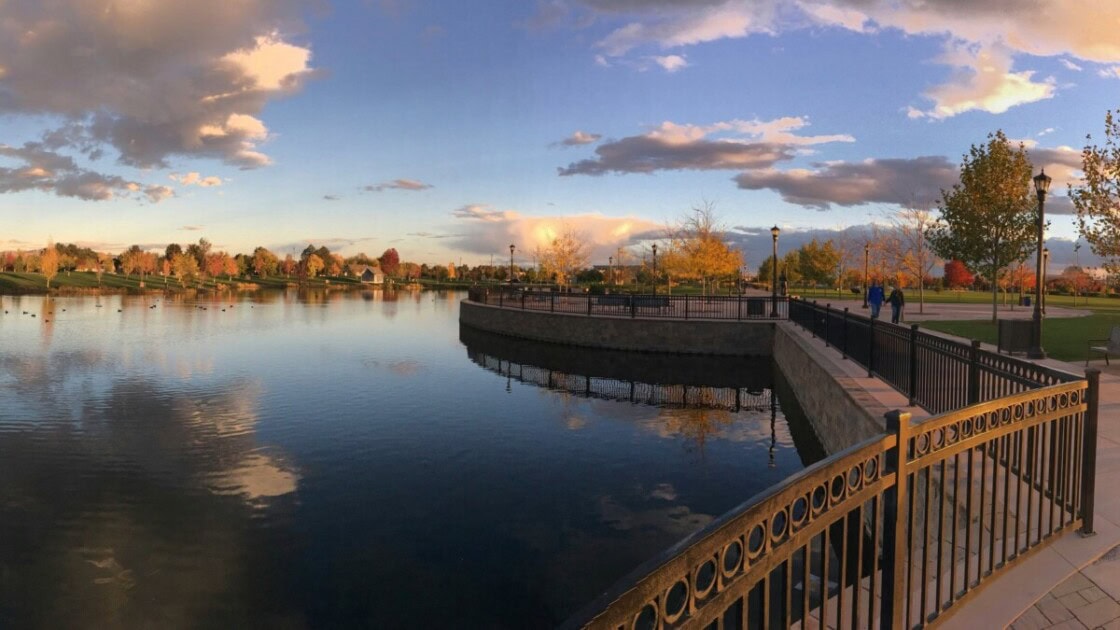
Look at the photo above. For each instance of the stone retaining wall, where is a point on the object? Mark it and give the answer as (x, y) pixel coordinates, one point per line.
(727, 338)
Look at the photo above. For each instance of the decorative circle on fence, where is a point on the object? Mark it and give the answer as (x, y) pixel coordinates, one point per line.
(704, 579)
(732, 556)
(799, 511)
(646, 619)
(871, 469)
(778, 525)
(675, 600)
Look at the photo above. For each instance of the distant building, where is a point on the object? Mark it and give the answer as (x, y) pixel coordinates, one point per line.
(367, 274)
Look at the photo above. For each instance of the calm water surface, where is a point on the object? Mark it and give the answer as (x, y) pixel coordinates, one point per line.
(298, 460)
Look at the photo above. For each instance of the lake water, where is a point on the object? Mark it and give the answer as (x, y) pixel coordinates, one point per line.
(293, 460)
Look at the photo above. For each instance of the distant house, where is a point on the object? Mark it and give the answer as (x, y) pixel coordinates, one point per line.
(367, 274)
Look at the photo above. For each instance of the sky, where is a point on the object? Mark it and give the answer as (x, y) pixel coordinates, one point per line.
(450, 130)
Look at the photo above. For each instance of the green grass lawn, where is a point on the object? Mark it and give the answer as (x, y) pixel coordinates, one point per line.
(110, 282)
(1062, 338)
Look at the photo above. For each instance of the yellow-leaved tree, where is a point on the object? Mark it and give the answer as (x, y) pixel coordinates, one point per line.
(48, 262)
(698, 251)
(564, 256)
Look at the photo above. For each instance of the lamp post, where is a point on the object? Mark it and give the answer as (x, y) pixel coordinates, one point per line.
(866, 255)
(610, 270)
(774, 231)
(511, 248)
(1045, 264)
(654, 247)
(1041, 185)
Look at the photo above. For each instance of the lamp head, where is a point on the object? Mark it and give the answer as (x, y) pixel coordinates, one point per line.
(774, 231)
(1041, 183)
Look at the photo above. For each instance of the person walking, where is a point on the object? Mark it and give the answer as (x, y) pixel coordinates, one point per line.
(898, 302)
(875, 299)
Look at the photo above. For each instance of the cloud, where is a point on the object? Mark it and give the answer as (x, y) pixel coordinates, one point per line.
(194, 179)
(39, 168)
(480, 230)
(983, 81)
(331, 197)
(752, 144)
(674, 24)
(671, 63)
(482, 212)
(1110, 72)
(895, 181)
(1069, 65)
(191, 228)
(579, 138)
(151, 81)
(398, 184)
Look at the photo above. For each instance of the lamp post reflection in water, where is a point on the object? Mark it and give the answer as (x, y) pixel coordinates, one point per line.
(773, 427)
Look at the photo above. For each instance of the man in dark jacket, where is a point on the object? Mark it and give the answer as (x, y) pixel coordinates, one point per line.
(898, 301)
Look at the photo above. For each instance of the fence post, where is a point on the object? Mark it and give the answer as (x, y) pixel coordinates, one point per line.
(827, 315)
(522, 301)
(686, 306)
(589, 303)
(740, 316)
(1089, 461)
(913, 363)
(870, 347)
(500, 294)
(551, 301)
(894, 523)
(844, 335)
(974, 372)
(633, 307)
(813, 321)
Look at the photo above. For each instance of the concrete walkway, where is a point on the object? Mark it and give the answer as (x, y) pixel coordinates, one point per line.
(1075, 581)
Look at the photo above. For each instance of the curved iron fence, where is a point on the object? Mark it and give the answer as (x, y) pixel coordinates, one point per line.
(897, 530)
(703, 307)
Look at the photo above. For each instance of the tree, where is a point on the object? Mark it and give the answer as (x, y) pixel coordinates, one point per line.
(990, 219)
(104, 263)
(288, 266)
(172, 249)
(390, 262)
(565, 255)
(185, 267)
(697, 249)
(957, 275)
(1097, 200)
(49, 262)
(907, 246)
(264, 262)
(816, 262)
(313, 264)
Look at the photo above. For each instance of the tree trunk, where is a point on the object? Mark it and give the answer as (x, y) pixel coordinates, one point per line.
(921, 297)
(995, 301)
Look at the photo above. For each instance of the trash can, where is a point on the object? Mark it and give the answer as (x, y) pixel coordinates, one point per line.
(1025, 300)
(756, 307)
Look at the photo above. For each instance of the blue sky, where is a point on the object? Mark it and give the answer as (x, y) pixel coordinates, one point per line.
(449, 129)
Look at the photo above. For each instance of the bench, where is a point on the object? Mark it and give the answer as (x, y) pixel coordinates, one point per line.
(1106, 346)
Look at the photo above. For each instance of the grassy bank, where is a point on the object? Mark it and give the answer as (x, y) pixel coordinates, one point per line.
(87, 282)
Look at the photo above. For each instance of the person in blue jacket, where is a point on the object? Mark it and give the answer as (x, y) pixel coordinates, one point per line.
(875, 299)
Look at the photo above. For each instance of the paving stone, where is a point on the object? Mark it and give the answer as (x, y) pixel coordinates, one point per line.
(1033, 619)
(1074, 583)
(1053, 609)
(1098, 613)
(1112, 625)
(1073, 601)
(1072, 624)
(1092, 594)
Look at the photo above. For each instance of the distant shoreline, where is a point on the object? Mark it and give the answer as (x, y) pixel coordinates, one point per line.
(80, 283)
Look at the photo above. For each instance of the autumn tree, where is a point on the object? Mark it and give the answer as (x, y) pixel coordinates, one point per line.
(185, 267)
(957, 275)
(906, 244)
(48, 262)
(264, 262)
(566, 254)
(390, 262)
(1097, 199)
(288, 265)
(313, 265)
(697, 249)
(990, 219)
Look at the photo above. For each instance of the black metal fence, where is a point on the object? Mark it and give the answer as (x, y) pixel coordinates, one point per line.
(700, 307)
(936, 373)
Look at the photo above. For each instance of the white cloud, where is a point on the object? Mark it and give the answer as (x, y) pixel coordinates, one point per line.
(193, 178)
(482, 230)
(1069, 65)
(579, 138)
(983, 81)
(684, 24)
(1110, 72)
(398, 184)
(671, 63)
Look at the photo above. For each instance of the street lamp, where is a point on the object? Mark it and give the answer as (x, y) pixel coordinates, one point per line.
(1041, 185)
(774, 231)
(511, 248)
(654, 247)
(1045, 264)
(610, 270)
(866, 254)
